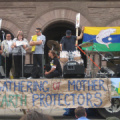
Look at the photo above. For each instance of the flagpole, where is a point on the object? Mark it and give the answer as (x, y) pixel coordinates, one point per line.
(88, 57)
(76, 35)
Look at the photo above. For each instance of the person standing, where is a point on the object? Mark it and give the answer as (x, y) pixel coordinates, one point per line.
(37, 42)
(68, 42)
(55, 68)
(80, 113)
(19, 45)
(7, 54)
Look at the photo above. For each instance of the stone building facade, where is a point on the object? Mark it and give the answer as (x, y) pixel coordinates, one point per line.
(55, 16)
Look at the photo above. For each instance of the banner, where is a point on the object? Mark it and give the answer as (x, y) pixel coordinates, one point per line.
(55, 93)
(104, 39)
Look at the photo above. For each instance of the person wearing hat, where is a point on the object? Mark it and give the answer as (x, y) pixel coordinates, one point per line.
(67, 42)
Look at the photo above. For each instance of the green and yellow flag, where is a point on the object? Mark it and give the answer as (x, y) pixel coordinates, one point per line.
(104, 38)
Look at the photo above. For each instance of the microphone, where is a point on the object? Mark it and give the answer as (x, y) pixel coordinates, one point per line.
(3, 32)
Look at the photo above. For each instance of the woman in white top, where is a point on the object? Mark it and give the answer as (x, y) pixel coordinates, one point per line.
(19, 45)
(7, 54)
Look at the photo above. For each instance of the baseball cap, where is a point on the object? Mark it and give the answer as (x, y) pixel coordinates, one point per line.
(68, 32)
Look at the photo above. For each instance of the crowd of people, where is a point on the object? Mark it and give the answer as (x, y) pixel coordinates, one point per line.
(13, 53)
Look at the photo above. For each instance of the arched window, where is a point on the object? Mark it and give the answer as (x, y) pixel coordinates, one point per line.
(3, 33)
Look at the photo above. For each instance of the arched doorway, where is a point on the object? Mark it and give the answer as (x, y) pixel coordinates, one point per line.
(56, 31)
(54, 15)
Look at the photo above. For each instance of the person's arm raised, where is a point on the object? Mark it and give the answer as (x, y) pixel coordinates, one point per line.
(81, 34)
(60, 47)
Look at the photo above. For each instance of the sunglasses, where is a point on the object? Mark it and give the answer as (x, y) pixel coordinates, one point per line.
(37, 31)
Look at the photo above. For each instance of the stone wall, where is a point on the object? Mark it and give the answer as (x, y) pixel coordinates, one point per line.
(28, 15)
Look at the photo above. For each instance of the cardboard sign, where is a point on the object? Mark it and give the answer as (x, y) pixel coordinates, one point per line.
(77, 20)
(19, 43)
(55, 93)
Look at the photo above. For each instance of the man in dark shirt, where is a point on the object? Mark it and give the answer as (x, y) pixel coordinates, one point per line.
(55, 70)
(68, 42)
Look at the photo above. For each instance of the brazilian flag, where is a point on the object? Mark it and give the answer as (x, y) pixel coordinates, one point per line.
(104, 39)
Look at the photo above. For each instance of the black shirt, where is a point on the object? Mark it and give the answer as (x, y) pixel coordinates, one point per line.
(56, 62)
(68, 44)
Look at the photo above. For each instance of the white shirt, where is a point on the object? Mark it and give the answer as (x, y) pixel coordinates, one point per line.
(9, 44)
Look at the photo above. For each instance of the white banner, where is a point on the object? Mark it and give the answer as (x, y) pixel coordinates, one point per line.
(19, 43)
(77, 20)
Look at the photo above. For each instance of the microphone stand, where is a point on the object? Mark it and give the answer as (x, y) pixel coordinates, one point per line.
(104, 57)
(106, 60)
(22, 66)
(5, 64)
(3, 35)
(42, 66)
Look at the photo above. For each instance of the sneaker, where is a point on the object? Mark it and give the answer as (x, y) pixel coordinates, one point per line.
(29, 78)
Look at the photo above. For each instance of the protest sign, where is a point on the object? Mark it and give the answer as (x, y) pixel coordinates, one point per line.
(55, 93)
